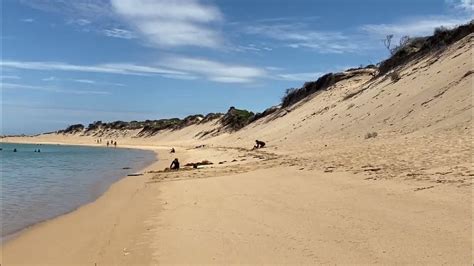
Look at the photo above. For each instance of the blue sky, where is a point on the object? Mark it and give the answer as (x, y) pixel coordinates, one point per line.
(66, 62)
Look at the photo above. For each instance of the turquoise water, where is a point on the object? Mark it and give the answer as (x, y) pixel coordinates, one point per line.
(39, 186)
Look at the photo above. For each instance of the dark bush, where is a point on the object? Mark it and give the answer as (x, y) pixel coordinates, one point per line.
(95, 125)
(293, 96)
(211, 116)
(395, 76)
(236, 119)
(72, 129)
(267, 111)
(418, 47)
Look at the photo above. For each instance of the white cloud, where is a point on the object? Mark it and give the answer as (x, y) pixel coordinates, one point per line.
(176, 68)
(85, 9)
(298, 35)
(118, 33)
(272, 68)
(139, 70)
(182, 77)
(171, 23)
(299, 76)
(2, 77)
(50, 79)
(87, 81)
(93, 82)
(162, 23)
(13, 86)
(28, 20)
(117, 68)
(252, 48)
(412, 27)
(216, 71)
(466, 5)
(80, 22)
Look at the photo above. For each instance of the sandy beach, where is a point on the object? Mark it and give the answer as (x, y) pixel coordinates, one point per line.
(266, 209)
(323, 191)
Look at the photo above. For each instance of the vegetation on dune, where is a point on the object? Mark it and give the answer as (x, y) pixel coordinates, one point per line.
(153, 127)
(267, 111)
(412, 48)
(236, 119)
(408, 49)
(293, 95)
(72, 129)
(148, 127)
(211, 116)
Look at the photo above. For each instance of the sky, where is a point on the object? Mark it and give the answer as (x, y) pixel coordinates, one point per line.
(66, 62)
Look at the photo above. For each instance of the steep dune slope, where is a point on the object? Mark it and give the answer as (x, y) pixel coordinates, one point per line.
(433, 94)
(422, 123)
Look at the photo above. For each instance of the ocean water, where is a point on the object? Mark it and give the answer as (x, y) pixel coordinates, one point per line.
(39, 186)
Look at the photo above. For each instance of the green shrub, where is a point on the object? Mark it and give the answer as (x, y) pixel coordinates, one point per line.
(236, 119)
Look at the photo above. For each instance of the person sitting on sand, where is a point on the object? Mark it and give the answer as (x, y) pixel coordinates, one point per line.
(259, 144)
(175, 164)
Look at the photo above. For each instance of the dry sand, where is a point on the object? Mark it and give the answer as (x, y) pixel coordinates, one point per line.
(319, 193)
(261, 210)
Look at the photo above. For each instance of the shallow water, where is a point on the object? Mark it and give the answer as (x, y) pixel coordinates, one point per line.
(39, 186)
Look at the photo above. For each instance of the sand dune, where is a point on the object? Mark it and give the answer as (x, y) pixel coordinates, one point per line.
(321, 192)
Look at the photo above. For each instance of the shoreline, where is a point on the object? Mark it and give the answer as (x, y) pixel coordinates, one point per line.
(11, 236)
(19, 240)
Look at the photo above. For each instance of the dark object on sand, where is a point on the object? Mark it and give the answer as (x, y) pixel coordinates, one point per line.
(195, 165)
(259, 144)
(175, 164)
(134, 174)
(172, 150)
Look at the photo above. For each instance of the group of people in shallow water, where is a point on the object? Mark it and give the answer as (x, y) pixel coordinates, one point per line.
(108, 143)
(112, 143)
(175, 163)
(15, 150)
